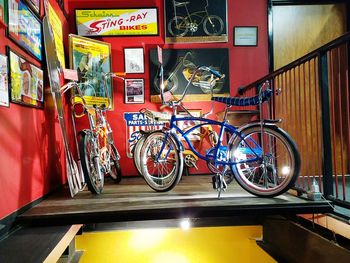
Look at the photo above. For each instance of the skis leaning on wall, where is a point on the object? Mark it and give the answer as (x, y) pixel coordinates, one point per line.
(74, 177)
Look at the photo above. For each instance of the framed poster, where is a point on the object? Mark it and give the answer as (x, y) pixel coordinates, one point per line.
(117, 22)
(245, 35)
(134, 60)
(26, 81)
(195, 21)
(35, 6)
(24, 28)
(4, 88)
(134, 91)
(2, 12)
(179, 64)
(92, 60)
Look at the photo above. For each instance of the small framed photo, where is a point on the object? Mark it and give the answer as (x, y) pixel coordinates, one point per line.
(245, 35)
(134, 60)
(134, 91)
(4, 88)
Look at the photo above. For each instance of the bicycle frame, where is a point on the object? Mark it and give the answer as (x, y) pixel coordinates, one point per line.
(175, 131)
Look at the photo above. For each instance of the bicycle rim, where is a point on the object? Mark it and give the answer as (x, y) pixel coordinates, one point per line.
(91, 167)
(161, 162)
(177, 26)
(265, 169)
(213, 25)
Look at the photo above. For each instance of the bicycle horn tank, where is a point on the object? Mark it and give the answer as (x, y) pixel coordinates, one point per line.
(53, 67)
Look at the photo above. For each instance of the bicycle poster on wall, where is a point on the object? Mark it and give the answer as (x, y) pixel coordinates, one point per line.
(179, 64)
(195, 21)
(92, 60)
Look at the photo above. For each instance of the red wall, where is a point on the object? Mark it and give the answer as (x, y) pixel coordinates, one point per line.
(30, 146)
(30, 141)
(246, 63)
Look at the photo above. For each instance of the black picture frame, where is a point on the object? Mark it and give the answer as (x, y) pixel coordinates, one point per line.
(117, 22)
(26, 81)
(35, 6)
(134, 90)
(31, 37)
(134, 60)
(195, 21)
(4, 81)
(245, 36)
(180, 72)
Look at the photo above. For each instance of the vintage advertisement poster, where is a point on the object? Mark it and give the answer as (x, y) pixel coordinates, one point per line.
(92, 60)
(25, 28)
(26, 82)
(179, 64)
(56, 26)
(4, 89)
(134, 91)
(117, 22)
(136, 121)
(195, 21)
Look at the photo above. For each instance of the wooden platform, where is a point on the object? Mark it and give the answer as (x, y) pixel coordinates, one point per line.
(134, 200)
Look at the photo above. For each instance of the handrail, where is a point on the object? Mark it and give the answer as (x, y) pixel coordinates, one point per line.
(334, 43)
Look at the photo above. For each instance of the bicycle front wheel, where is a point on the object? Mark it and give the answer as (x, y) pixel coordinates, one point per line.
(178, 26)
(161, 162)
(213, 25)
(90, 163)
(267, 161)
(136, 153)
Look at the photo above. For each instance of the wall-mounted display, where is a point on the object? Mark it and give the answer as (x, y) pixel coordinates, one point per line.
(2, 11)
(26, 81)
(117, 22)
(195, 21)
(245, 36)
(134, 60)
(24, 28)
(92, 60)
(134, 91)
(56, 26)
(179, 64)
(35, 6)
(4, 89)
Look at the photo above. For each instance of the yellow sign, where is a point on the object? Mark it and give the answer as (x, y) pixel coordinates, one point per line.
(56, 26)
(117, 22)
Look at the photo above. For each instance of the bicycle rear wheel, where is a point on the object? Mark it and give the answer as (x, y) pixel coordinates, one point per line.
(115, 171)
(161, 162)
(178, 26)
(90, 163)
(268, 162)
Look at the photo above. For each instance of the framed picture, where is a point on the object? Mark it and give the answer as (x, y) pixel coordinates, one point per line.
(92, 60)
(245, 36)
(134, 60)
(2, 12)
(195, 21)
(26, 81)
(24, 28)
(35, 6)
(117, 22)
(179, 64)
(134, 91)
(4, 88)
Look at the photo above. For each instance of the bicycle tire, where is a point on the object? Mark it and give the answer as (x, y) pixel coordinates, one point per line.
(177, 26)
(115, 171)
(163, 174)
(214, 23)
(92, 169)
(270, 177)
(136, 152)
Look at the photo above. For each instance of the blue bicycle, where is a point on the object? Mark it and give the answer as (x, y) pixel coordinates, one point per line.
(262, 157)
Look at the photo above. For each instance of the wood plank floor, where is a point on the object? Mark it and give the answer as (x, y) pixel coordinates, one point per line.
(134, 200)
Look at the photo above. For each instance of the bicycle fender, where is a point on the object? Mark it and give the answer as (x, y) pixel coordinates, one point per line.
(85, 131)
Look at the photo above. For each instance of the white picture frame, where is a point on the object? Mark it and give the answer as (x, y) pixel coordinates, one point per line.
(134, 60)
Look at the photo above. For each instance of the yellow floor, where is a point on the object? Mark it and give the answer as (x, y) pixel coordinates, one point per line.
(174, 245)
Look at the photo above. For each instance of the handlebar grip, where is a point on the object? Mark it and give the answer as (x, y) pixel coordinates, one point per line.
(216, 73)
(119, 74)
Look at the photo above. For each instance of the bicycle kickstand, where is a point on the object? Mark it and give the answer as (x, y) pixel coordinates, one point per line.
(219, 183)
